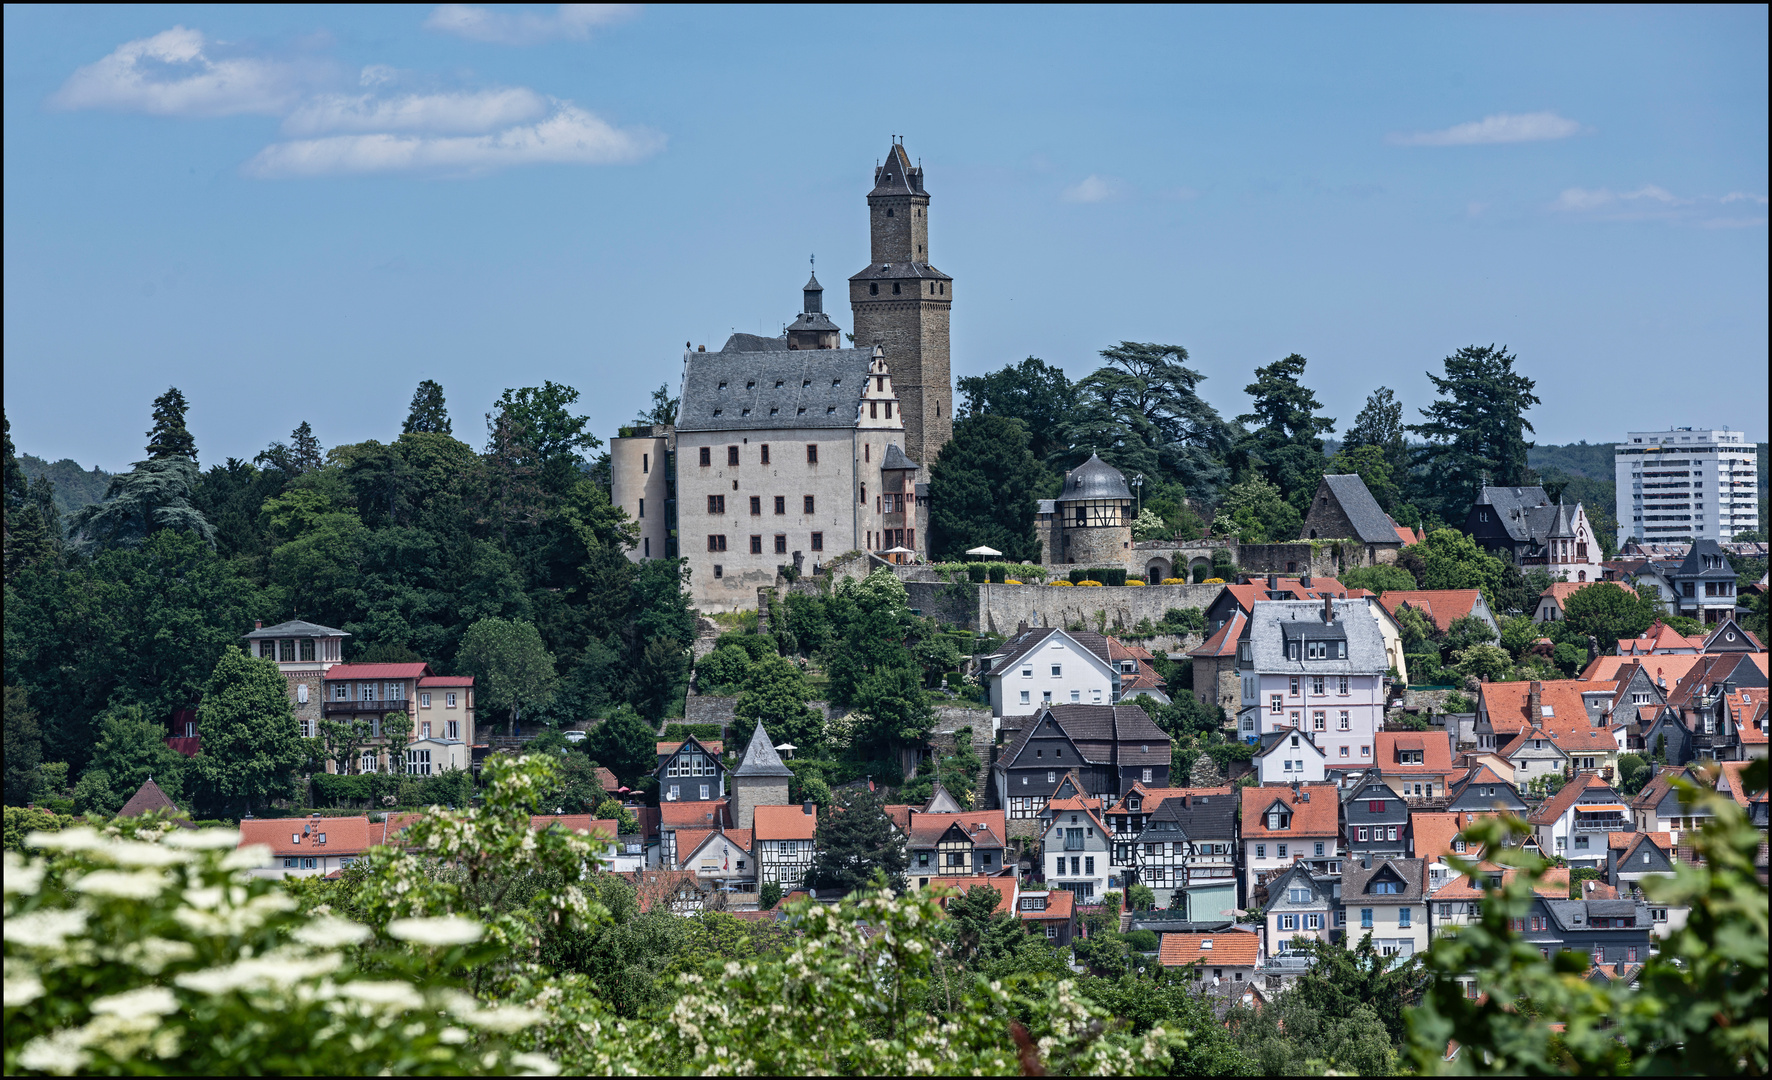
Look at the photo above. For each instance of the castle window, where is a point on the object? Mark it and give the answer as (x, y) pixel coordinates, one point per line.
(716, 504)
(781, 504)
(756, 545)
(873, 288)
(889, 410)
(719, 571)
(944, 288)
(781, 544)
(307, 649)
(818, 541)
(716, 542)
(889, 209)
(812, 453)
(895, 288)
(732, 452)
(873, 410)
(756, 504)
(765, 449)
(808, 504)
(931, 284)
(707, 456)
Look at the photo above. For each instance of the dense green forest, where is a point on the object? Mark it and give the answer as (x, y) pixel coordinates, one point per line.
(74, 486)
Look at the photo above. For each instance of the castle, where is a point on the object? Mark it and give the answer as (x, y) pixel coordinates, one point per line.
(789, 450)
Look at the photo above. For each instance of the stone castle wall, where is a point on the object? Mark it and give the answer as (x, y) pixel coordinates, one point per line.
(1001, 608)
(1109, 546)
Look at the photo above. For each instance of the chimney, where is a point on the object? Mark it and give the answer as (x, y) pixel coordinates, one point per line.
(811, 808)
(1021, 628)
(1365, 862)
(1534, 701)
(1328, 608)
(1273, 581)
(258, 624)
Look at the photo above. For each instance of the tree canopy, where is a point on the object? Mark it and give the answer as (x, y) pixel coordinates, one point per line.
(168, 438)
(428, 414)
(981, 490)
(1474, 431)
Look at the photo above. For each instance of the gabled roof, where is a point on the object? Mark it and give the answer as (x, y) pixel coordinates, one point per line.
(784, 823)
(1483, 776)
(1194, 816)
(1533, 735)
(1060, 904)
(1276, 737)
(1411, 872)
(1561, 708)
(1060, 813)
(652, 887)
(985, 828)
(1096, 730)
(1434, 831)
(344, 835)
(1553, 885)
(1435, 747)
(896, 459)
(760, 758)
(1005, 888)
(1231, 948)
(1658, 639)
(1719, 637)
(691, 841)
(377, 671)
(1248, 595)
(691, 815)
(1743, 669)
(1660, 786)
(146, 799)
(712, 746)
(1019, 647)
(1150, 798)
(1224, 641)
(1443, 607)
(578, 823)
(1565, 798)
(295, 628)
(1371, 524)
(1317, 815)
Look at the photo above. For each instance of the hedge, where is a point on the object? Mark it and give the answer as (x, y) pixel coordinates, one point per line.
(453, 788)
(679, 732)
(1105, 575)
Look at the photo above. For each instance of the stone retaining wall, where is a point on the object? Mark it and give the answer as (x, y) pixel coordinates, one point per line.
(1001, 608)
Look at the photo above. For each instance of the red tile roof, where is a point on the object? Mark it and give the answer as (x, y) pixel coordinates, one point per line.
(579, 823)
(985, 828)
(1224, 642)
(712, 746)
(377, 671)
(1611, 668)
(689, 840)
(1005, 887)
(1748, 709)
(691, 815)
(1557, 805)
(1657, 639)
(301, 836)
(1443, 607)
(1436, 751)
(1319, 816)
(1554, 884)
(1150, 798)
(1232, 948)
(785, 822)
(1560, 591)
(1435, 830)
(1060, 903)
(606, 780)
(447, 680)
(1506, 704)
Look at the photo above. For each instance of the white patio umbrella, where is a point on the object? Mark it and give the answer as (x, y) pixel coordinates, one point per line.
(982, 551)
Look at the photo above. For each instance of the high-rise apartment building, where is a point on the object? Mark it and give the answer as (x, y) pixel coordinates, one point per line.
(1686, 483)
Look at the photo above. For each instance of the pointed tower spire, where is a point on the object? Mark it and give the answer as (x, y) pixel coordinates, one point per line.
(760, 758)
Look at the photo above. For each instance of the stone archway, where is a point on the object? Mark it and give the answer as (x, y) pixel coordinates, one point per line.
(1196, 565)
(1156, 570)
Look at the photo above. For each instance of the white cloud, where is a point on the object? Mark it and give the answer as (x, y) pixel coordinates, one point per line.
(1094, 189)
(172, 74)
(1500, 128)
(569, 136)
(503, 27)
(1652, 202)
(454, 114)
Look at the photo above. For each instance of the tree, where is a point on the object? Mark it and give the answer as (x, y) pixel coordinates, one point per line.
(1608, 612)
(1256, 512)
(428, 414)
(1286, 446)
(132, 750)
(1474, 430)
(612, 810)
(1033, 391)
(1633, 773)
(250, 744)
(624, 744)
(769, 896)
(1465, 632)
(553, 440)
(1450, 559)
(1344, 978)
(153, 496)
(1378, 579)
(305, 452)
(1287, 1037)
(168, 439)
(723, 670)
(1169, 999)
(1485, 663)
(33, 530)
(981, 490)
(24, 747)
(1373, 468)
(1380, 424)
(775, 693)
(855, 842)
(511, 667)
(663, 411)
(1142, 413)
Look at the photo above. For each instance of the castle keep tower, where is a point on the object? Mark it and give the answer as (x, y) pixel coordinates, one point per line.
(901, 303)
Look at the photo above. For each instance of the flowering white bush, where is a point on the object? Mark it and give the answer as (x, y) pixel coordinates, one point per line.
(159, 953)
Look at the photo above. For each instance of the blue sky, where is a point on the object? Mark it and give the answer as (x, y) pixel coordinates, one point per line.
(297, 213)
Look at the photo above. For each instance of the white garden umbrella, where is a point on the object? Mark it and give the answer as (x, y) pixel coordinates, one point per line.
(982, 550)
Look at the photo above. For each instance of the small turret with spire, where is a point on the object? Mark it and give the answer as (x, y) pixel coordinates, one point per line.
(813, 329)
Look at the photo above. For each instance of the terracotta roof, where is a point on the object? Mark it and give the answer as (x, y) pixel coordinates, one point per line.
(1152, 797)
(446, 680)
(1005, 887)
(147, 798)
(691, 840)
(1530, 735)
(338, 672)
(1748, 709)
(1434, 831)
(1560, 591)
(691, 815)
(1610, 668)
(1658, 638)
(900, 816)
(712, 746)
(1587, 740)
(927, 829)
(344, 835)
(391, 830)
(1317, 817)
(1443, 607)
(1658, 787)
(606, 780)
(785, 822)
(1407, 535)
(1557, 805)
(1436, 748)
(1077, 806)
(1060, 903)
(579, 823)
(1553, 885)
(1247, 595)
(1710, 670)
(1506, 704)
(1142, 677)
(1224, 642)
(1232, 948)
(1592, 889)
(1086, 803)
(1733, 783)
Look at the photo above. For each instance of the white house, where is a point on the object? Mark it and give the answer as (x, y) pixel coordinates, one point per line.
(1577, 821)
(1075, 850)
(1287, 754)
(1319, 668)
(1048, 666)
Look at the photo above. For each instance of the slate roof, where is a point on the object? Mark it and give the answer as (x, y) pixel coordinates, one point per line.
(897, 176)
(1197, 817)
(1233, 948)
(1670, 667)
(820, 388)
(1743, 669)
(1442, 607)
(1413, 873)
(897, 459)
(1275, 622)
(296, 628)
(1481, 776)
(1094, 729)
(1527, 514)
(1573, 913)
(1371, 524)
(149, 797)
(760, 758)
(1694, 568)
(1094, 479)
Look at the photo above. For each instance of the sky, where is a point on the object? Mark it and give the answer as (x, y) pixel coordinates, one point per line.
(297, 213)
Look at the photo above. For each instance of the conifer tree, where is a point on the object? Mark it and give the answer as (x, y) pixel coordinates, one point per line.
(1475, 429)
(428, 413)
(1287, 445)
(169, 439)
(305, 452)
(855, 842)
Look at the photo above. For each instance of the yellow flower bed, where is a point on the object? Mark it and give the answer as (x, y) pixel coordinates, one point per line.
(1062, 582)
(1213, 581)
(1134, 581)
(1174, 581)
(1011, 581)
(1097, 584)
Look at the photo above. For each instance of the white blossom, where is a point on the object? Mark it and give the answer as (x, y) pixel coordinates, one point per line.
(269, 970)
(123, 885)
(148, 1001)
(204, 839)
(388, 995)
(136, 853)
(79, 838)
(505, 1020)
(440, 931)
(535, 1065)
(330, 933)
(22, 991)
(59, 1052)
(22, 878)
(45, 928)
(248, 857)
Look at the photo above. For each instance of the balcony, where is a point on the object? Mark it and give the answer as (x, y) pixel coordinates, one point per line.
(362, 708)
(1602, 822)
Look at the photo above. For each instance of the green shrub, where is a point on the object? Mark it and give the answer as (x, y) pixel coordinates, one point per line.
(1106, 575)
(704, 732)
